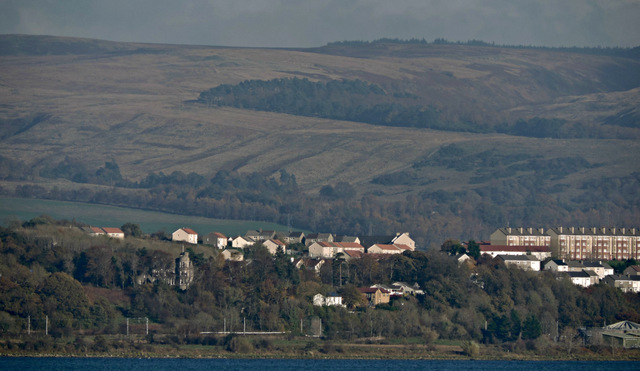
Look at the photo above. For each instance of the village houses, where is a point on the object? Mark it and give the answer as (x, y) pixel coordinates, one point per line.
(187, 235)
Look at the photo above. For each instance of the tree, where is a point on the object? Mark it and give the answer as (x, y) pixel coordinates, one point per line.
(452, 247)
(531, 328)
(351, 297)
(62, 294)
(131, 229)
(474, 249)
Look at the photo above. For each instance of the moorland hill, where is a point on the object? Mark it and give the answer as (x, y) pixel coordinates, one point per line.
(500, 133)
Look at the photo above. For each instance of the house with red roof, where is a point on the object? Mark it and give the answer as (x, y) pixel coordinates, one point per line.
(379, 248)
(114, 232)
(187, 235)
(375, 295)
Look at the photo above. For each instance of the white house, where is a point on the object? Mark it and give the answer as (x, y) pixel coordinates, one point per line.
(581, 278)
(526, 262)
(216, 239)
(557, 265)
(273, 245)
(233, 255)
(321, 250)
(241, 242)
(187, 235)
(624, 283)
(332, 299)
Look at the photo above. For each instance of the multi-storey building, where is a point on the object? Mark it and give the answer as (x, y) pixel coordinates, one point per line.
(595, 243)
(520, 237)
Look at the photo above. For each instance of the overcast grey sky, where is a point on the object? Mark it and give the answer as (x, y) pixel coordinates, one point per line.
(302, 23)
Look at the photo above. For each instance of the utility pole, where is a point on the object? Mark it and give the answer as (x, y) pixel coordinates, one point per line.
(244, 325)
(147, 320)
(29, 325)
(127, 327)
(224, 328)
(46, 325)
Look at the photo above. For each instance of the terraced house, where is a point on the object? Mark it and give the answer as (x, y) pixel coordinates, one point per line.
(575, 243)
(595, 243)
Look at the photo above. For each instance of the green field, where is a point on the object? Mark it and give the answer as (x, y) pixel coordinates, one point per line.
(111, 216)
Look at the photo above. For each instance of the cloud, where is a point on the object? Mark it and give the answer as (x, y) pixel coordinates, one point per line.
(294, 23)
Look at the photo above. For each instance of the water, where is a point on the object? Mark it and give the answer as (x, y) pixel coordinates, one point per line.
(91, 364)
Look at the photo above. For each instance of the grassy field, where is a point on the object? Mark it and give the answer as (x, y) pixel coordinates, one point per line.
(111, 216)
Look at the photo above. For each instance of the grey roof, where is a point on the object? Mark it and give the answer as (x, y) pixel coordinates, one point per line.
(345, 239)
(575, 264)
(581, 274)
(623, 325)
(372, 240)
(596, 264)
(518, 257)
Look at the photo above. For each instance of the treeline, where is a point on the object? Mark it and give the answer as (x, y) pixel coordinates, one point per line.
(598, 50)
(359, 101)
(516, 190)
(83, 284)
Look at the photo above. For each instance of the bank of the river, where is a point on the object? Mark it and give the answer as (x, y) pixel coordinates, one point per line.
(331, 350)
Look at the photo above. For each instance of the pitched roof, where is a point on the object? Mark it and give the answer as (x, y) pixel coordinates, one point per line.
(634, 267)
(623, 325)
(350, 245)
(581, 274)
(369, 290)
(345, 238)
(344, 245)
(278, 242)
(385, 247)
(97, 230)
(372, 240)
(518, 257)
(354, 253)
(594, 264)
(189, 230)
(112, 230)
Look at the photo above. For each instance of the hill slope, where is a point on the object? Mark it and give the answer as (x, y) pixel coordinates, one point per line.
(95, 101)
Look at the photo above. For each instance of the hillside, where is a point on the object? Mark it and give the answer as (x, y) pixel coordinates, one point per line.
(94, 101)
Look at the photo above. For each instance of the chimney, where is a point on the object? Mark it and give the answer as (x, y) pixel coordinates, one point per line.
(521, 230)
(560, 228)
(593, 229)
(509, 230)
(573, 230)
(541, 230)
(623, 230)
(530, 230)
(582, 230)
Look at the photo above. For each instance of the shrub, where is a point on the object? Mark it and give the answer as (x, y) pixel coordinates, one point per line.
(471, 349)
